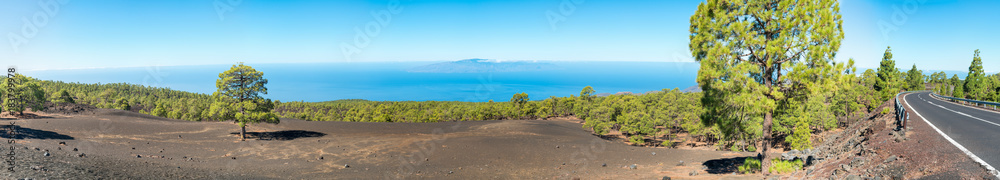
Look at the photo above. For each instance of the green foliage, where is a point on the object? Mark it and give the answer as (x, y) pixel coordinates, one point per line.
(915, 79)
(62, 97)
(238, 98)
(26, 93)
(975, 86)
(750, 165)
(959, 92)
(887, 84)
(800, 139)
(782, 166)
(760, 59)
(587, 92)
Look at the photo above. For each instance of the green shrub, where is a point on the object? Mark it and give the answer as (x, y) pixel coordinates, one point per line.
(635, 139)
(886, 110)
(750, 165)
(800, 137)
(780, 166)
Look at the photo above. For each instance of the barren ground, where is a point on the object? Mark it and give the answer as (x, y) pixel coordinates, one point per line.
(125, 145)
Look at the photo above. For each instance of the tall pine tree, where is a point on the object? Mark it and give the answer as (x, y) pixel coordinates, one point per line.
(757, 57)
(974, 86)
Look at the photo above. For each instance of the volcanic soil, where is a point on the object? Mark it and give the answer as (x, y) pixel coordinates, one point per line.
(91, 143)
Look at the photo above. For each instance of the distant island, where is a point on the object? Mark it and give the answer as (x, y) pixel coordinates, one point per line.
(483, 65)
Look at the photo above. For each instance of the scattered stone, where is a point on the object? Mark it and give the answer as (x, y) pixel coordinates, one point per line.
(654, 153)
(449, 172)
(845, 167)
(693, 173)
(680, 164)
(853, 177)
(62, 143)
(133, 148)
(427, 159)
(857, 161)
(890, 159)
(234, 157)
(46, 154)
(179, 136)
(81, 155)
(665, 178)
(74, 149)
(557, 146)
(138, 156)
(59, 148)
(36, 149)
(321, 158)
(346, 166)
(633, 166)
(36, 167)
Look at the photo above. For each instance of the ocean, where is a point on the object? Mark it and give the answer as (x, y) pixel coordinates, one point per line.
(390, 81)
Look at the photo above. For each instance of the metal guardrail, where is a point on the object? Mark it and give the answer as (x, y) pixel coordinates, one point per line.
(984, 103)
(901, 115)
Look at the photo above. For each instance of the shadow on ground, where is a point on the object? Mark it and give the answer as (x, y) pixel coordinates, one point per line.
(29, 133)
(282, 135)
(724, 166)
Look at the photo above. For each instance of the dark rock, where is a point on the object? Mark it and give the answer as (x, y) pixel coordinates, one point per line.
(74, 149)
(604, 164)
(346, 166)
(853, 177)
(81, 155)
(857, 161)
(890, 159)
(138, 156)
(36, 149)
(321, 158)
(666, 178)
(46, 154)
(234, 157)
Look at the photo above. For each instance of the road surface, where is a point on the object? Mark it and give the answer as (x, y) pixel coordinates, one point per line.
(975, 130)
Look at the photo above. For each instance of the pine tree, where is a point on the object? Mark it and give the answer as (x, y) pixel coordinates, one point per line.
(238, 98)
(975, 87)
(915, 79)
(886, 76)
(758, 56)
(24, 93)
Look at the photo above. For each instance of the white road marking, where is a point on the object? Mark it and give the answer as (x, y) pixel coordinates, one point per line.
(939, 99)
(960, 147)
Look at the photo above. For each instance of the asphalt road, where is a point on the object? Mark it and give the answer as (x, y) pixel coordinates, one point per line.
(975, 129)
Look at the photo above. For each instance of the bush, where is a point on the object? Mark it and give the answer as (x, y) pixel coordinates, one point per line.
(750, 165)
(886, 110)
(780, 166)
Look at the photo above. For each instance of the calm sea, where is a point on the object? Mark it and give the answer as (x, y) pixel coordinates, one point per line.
(383, 81)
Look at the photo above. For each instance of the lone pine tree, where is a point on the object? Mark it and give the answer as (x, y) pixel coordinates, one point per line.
(758, 56)
(238, 98)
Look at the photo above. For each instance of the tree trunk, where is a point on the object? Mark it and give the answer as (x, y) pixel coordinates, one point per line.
(243, 133)
(766, 144)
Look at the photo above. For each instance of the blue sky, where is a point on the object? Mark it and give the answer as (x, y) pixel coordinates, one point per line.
(937, 35)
